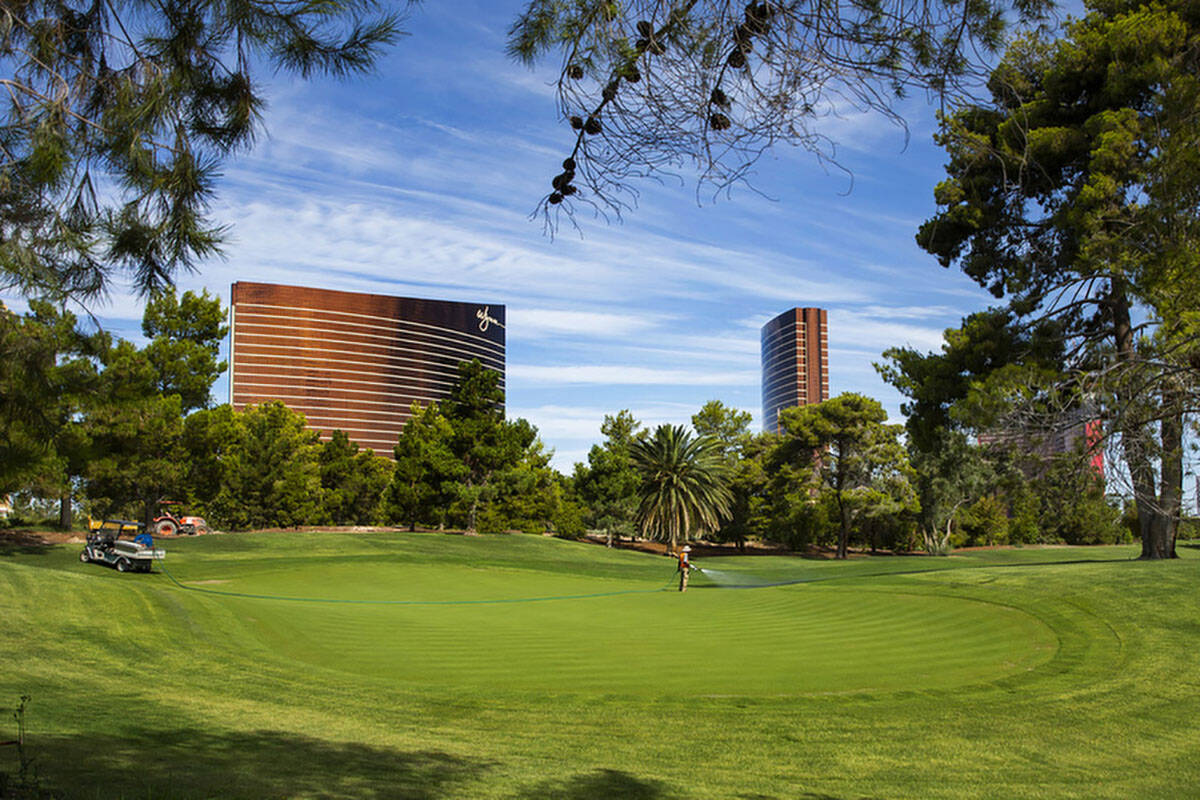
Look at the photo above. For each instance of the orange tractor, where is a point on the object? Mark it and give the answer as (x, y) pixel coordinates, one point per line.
(168, 524)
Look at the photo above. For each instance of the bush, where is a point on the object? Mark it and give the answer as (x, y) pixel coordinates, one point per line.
(984, 522)
(1189, 529)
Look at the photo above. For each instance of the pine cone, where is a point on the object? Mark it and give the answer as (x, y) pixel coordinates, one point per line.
(758, 18)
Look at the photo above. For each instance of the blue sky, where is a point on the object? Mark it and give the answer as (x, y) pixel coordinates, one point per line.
(420, 179)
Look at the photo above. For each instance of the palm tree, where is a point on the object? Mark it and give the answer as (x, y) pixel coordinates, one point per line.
(683, 487)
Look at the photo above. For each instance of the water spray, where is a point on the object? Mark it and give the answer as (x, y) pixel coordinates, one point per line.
(734, 580)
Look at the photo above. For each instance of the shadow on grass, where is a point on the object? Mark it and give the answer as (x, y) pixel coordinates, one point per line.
(19, 543)
(611, 784)
(602, 784)
(195, 764)
(805, 796)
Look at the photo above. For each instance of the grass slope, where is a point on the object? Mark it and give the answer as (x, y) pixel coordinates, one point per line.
(429, 666)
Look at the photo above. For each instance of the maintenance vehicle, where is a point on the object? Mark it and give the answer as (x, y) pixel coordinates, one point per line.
(168, 524)
(104, 546)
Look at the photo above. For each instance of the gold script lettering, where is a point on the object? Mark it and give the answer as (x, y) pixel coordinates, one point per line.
(486, 319)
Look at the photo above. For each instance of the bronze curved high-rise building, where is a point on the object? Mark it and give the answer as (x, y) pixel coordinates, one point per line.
(354, 362)
(795, 362)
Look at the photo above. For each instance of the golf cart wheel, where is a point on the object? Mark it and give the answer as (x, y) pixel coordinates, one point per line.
(165, 528)
(123, 565)
(83, 556)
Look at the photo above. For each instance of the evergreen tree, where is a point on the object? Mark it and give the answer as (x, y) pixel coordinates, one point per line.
(482, 441)
(185, 339)
(353, 482)
(135, 439)
(270, 476)
(209, 434)
(425, 464)
(842, 449)
(48, 377)
(945, 407)
(649, 87)
(742, 452)
(608, 484)
(729, 426)
(1074, 193)
(118, 117)
(530, 497)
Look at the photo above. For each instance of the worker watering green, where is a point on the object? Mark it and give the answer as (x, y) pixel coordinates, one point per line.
(685, 567)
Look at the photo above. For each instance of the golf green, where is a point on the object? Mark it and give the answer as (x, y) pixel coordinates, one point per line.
(398, 622)
(321, 664)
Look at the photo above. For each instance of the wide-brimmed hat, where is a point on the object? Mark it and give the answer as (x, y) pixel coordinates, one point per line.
(687, 549)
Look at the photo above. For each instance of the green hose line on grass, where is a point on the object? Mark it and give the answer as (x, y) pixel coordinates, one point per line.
(669, 584)
(247, 595)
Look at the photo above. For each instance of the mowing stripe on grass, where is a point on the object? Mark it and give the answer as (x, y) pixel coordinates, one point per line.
(722, 581)
(720, 584)
(857, 685)
(343, 601)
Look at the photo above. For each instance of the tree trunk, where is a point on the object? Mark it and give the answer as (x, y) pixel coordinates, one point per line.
(1156, 518)
(1161, 541)
(844, 534)
(148, 515)
(65, 511)
(474, 508)
(1171, 493)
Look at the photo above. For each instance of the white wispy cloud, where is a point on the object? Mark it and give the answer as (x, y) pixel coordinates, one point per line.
(624, 375)
(584, 421)
(538, 322)
(420, 181)
(573, 429)
(865, 331)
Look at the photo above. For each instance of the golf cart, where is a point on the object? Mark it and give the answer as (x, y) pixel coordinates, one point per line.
(104, 546)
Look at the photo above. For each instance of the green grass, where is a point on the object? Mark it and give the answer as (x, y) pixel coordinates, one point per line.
(430, 666)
